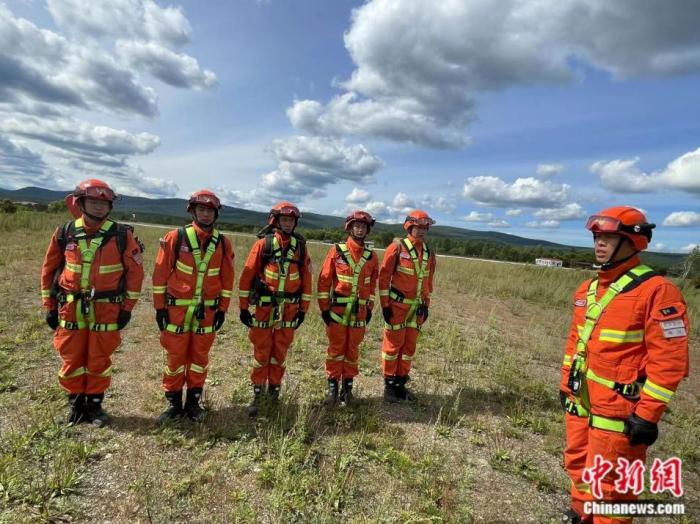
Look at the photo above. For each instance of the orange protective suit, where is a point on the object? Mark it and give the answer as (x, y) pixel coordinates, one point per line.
(335, 292)
(276, 306)
(187, 339)
(399, 277)
(89, 297)
(640, 338)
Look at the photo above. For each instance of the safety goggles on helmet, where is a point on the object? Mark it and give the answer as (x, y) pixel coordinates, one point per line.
(97, 192)
(289, 211)
(205, 200)
(420, 222)
(360, 216)
(607, 224)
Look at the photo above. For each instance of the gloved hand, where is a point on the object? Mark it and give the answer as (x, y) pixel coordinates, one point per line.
(386, 311)
(326, 316)
(423, 312)
(52, 319)
(562, 399)
(640, 431)
(299, 319)
(219, 318)
(123, 318)
(162, 318)
(369, 317)
(246, 318)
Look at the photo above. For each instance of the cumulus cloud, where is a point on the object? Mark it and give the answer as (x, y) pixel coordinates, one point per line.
(549, 170)
(542, 224)
(571, 211)
(528, 192)
(419, 82)
(514, 212)
(690, 247)
(358, 196)
(402, 200)
(475, 216)
(682, 219)
(683, 173)
(659, 246)
(444, 204)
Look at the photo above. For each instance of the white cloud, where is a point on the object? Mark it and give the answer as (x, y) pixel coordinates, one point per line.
(514, 212)
(683, 173)
(444, 204)
(659, 247)
(682, 219)
(543, 224)
(498, 223)
(358, 196)
(402, 200)
(571, 211)
(418, 82)
(549, 170)
(475, 216)
(528, 192)
(689, 248)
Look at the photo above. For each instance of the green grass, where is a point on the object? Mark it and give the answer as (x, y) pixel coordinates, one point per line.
(483, 442)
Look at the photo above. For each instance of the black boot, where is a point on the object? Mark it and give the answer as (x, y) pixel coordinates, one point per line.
(274, 391)
(192, 408)
(94, 412)
(332, 392)
(346, 392)
(571, 517)
(175, 409)
(390, 390)
(253, 407)
(77, 409)
(401, 391)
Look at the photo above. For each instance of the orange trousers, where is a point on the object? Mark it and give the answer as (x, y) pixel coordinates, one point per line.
(87, 355)
(270, 346)
(398, 346)
(343, 352)
(583, 443)
(186, 354)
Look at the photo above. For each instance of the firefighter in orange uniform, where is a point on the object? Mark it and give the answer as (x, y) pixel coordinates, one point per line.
(90, 281)
(276, 279)
(346, 298)
(626, 354)
(405, 285)
(192, 289)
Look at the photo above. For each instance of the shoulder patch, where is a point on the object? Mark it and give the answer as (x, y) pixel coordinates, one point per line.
(581, 302)
(668, 311)
(137, 256)
(673, 328)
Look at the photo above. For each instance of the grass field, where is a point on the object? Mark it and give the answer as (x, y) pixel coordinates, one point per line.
(483, 443)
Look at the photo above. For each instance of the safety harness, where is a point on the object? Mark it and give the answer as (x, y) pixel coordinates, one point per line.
(580, 372)
(262, 294)
(420, 269)
(195, 305)
(352, 302)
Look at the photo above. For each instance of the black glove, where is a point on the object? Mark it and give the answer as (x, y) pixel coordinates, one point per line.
(641, 431)
(386, 311)
(326, 316)
(162, 318)
(123, 318)
(562, 399)
(369, 316)
(299, 319)
(52, 319)
(246, 318)
(423, 312)
(219, 318)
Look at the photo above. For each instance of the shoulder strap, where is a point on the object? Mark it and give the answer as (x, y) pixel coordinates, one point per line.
(398, 245)
(267, 248)
(341, 252)
(638, 275)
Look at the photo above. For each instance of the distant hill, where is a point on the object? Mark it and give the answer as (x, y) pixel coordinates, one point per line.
(172, 210)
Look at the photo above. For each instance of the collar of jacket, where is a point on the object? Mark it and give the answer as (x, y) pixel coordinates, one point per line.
(418, 244)
(91, 230)
(605, 278)
(355, 247)
(202, 235)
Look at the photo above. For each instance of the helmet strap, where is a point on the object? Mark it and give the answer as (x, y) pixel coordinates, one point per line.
(92, 217)
(612, 263)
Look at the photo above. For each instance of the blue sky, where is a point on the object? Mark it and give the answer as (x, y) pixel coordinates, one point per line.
(521, 116)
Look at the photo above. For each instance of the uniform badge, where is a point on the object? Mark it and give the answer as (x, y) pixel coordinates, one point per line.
(138, 258)
(405, 255)
(673, 328)
(668, 311)
(581, 302)
(71, 246)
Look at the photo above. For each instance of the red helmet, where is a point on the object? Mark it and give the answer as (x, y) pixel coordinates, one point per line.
(417, 218)
(204, 197)
(92, 188)
(359, 216)
(283, 209)
(627, 221)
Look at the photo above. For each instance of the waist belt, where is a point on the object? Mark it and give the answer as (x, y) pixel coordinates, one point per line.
(178, 330)
(399, 297)
(114, 297)
(65, 324)
(172, 301)
(629, 391)
(609, 424)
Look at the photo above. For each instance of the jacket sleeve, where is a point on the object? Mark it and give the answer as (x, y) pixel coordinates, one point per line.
(52, 261)
(666, 339)
(374, 275)
(307, 290)
(165, 260)
(227, 275)
(570, 347)
(386, 272)
(251, 269)
(133, 262)
(326, 279)
(431, 267)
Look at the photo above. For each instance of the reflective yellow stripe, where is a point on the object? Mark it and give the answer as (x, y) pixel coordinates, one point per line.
(579, 329)
(258, 365)
(214, 272)
(407, 358)
(386, 356)
(45, 293)
(159, 290)
(344, 279)
(590, 375)
(657, 392)
(243, 294)
(294, 276)
(567, 361)
(75, 268)
(77, 373)
(178, 371)
(106, 373)
(339, 358)
(271, 274)
(304, 296)
(350, 362)
(114, 268)
(582, 488)
(383, 292)
(198, 369)
(184, 267)
(621, 337)
(324, 295)
(133, 295)
(609, 424)
(406, 270)
(368, 280)
(225, 293)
